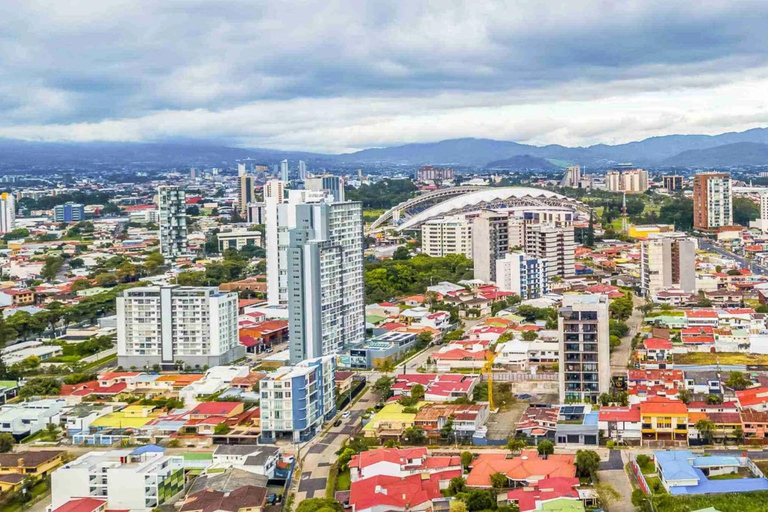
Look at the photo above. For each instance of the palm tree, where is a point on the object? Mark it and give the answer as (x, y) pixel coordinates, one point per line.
(706, 430)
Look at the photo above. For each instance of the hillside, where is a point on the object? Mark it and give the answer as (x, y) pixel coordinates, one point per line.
(523, 162)
(740, 153)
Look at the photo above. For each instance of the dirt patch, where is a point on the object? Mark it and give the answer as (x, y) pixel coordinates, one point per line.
(502, 424)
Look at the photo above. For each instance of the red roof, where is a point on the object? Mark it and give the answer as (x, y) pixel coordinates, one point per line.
(458, 354)
(393, 455)
(631, 414)
(661, 406)
(391, 492)
(521, 468)
(657, 344)
(215, 408)
(81, 505)
(752, 396)
(544, 489)
(701, 313)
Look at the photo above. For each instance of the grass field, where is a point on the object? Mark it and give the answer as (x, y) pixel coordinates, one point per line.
(721, 358)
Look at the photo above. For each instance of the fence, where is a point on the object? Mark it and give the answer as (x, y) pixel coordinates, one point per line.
(639, 476)
(521, 377)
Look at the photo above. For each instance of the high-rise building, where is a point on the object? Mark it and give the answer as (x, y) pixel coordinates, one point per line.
(284, 170)
(169, 325)
(490, 242)
(302, 170)
(329, 182)
(447, 235)
(554, 244)
(68, 212)
(241, 169)
(585, 357)
(275, 189)
(673, 183)
(572, 177)
(667, 260)
(172, 202)
(431, 173)
(295, 401)
(631, 181)
(256, 213)
(761, 222)
(523, 275)
(326, 289)
(7, 212)
(192, 173)
(246, 192)
(712, 205)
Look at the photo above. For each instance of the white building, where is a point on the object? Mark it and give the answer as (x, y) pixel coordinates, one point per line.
(631, 181)
(137, 480)
(275, 189)
(553, 243)
(239, 238)
(284, 170)
(762, 222)
(667, 260)
(490, 242)
(712, 201)
(326, 290)
(585, 358)
(173, 221)
(329, 183)
(302, 170)
(196, 326)
(7, 212)
(447, 235)
(523, 275)
(572, 177)
(25, 418)
(297, 400)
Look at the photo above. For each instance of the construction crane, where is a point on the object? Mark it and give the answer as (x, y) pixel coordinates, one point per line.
(490, 355)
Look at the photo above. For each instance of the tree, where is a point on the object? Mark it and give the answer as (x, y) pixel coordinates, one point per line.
(221, 429)
(515, 446)
(106, 279)
(51, 267)
(587, 463)
(417, 391)
(706, 429)
(80, 284)
(318, 504)
(456, 485)
(530, 335)
(714, 399)
(546, 448)
(425, 338)
(738, 434)
(110, 209)
(466, 459)
(621, 308)
(589, 237)
(478, 499)
(458, 506)
(744, 210)
(607, 494)
(6, 442)
(604, 399)
(684, 396)
(388, 366)
(383, 387)
(499, 480)
(415, 435)
(401, 253)
(737, 381)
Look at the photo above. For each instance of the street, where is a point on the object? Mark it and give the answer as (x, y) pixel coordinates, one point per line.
(708, 245)
(621, 354)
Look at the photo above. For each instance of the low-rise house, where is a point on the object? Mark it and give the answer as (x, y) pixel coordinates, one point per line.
(438, 387)
(256, 459)
(398, 462)
(533, 498)
(82, 415)
(753, 398)
(705, 382)
(521, 471)
(136, 480)
(755, 425)
(31, 463)
(621, 424)
(664, 420)
(23, 419)
(248, 498)
(392, 493)
(538, 422)
(464, 419)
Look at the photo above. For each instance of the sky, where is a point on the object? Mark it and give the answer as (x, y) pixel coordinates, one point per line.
(338, 76)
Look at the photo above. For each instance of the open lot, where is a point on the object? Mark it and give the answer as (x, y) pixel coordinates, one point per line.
(721, 358)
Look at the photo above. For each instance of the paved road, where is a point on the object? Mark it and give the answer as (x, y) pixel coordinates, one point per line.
(614, 461)
(621, 354)
(708, 245)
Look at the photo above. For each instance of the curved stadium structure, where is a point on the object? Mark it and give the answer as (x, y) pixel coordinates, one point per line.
(505, 198)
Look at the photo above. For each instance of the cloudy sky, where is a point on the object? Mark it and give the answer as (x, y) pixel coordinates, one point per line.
(337, 76)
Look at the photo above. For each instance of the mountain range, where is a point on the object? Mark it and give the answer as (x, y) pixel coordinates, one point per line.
(728, 149)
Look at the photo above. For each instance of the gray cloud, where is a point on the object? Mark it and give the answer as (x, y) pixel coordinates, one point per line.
(341, 74)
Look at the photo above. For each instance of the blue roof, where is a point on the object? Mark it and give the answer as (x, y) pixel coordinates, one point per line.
(675, 466)
(707, 486)
(591, 418)
(149, 448)
(715, 462)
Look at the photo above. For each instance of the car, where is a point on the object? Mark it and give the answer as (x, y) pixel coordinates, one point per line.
(346, 414)
(269, 350)
(337, 423)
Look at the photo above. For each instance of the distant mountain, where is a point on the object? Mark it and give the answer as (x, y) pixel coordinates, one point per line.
(739, 153)
(129, 154)
(523, 162)
(669, 150)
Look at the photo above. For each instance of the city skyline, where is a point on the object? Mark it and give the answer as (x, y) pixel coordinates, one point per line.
(367, 76)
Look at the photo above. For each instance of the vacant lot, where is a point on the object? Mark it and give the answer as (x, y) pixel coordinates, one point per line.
(721, 358)
(502, 425)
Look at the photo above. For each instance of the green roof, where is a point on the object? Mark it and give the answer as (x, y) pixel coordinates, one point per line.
(374, 319)
(8, 384)
(198, 456)
(563, 505)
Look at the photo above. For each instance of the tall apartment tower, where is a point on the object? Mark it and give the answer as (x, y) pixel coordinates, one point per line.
(585, 358)
(631, 181)
(553, 243)
(284, 170)
(7, 212)
(167, 325)
(572, 177)
(193, 173)
(326, 290)
(672, 183)
(490, 242)
(667, 260)
(329, 182)
(447, 235)
(761, 223)
(523, 275)
(712, 205)
(241, 169)
(275, 189)
(172, 202)
(246, 192)
(302, 170)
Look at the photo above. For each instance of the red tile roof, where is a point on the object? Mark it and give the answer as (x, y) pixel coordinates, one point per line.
(391, 492)
(701, 313)
(544, 489)
(661, 406)
(631, 414)
(81, 505)
(657, 344)
(752, 396)
(521, 468)
(215, 408)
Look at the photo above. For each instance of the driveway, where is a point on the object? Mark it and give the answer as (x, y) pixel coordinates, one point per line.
(620, 356)
(618, 479)
(614, 461)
